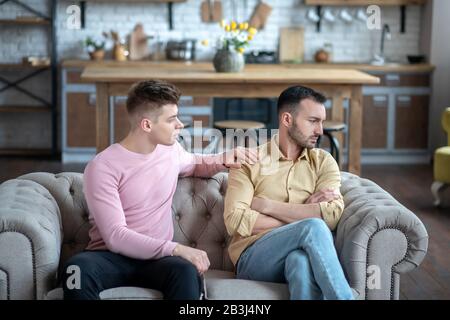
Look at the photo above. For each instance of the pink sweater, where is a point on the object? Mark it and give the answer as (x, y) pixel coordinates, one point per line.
(129, 196)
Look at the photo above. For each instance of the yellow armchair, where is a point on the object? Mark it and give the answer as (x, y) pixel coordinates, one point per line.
(441, 170)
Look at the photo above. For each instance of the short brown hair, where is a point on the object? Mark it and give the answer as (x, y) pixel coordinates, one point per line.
(290, 99)
(151, 95)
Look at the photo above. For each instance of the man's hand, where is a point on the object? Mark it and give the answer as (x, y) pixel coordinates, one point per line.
(324, 195)
(235, 157)
(198, 258)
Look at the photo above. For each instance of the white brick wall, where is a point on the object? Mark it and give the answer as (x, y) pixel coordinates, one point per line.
(353, 42)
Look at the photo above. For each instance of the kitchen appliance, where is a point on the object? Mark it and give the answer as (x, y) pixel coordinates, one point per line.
(261, 57)
(181, 50)
(412, 59)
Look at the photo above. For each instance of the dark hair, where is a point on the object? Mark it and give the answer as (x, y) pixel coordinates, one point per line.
(150, 95)
(290, 99)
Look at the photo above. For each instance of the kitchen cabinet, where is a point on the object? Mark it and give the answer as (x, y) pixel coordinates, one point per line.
(375, 117)
(80, 128)
(411, 126)
(395, 118)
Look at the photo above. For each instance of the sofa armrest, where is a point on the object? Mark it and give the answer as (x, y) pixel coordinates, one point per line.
(377, 239)
(30, 240)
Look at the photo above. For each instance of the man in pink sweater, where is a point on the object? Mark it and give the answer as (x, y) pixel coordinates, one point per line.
(129, 189)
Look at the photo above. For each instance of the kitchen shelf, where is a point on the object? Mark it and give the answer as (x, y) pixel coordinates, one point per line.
(22, 66)
(364, 2)
(14, 109)
(35, 19)
(169, 6)
(25, 21)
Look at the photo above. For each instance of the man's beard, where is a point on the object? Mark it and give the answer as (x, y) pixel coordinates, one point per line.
(298, 138)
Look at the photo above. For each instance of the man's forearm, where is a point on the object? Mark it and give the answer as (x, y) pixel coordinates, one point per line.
(291, 212)
(265, 222)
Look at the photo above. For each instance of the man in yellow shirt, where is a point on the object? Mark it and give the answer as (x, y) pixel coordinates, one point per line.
(280, 210)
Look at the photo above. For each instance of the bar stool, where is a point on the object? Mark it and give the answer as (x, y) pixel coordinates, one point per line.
(244, 125)
(239, 125)
(329, 127)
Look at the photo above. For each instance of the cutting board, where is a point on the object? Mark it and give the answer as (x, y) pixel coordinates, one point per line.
(211, 11)
(260, 15)
(138, 43)
(291, 45)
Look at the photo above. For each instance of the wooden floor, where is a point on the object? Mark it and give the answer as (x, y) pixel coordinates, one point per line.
(409, 184)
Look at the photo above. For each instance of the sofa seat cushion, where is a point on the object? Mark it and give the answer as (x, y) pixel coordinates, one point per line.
(222, 285)
(119, 293)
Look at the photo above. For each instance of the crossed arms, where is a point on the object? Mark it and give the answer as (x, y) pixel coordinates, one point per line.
(248, 214)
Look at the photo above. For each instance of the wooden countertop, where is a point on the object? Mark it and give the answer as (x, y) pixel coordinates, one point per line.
(389, 67)
(393, 67)
(204, 72)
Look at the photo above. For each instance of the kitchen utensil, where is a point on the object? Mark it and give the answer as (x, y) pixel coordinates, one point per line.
(291, 45)
(312, 15)
(211, 11)
(260, 15)
(416, 58)
(204, 11)
(36, 61)
(328, 16)
(217, 11)
(361, 15)
(321, 56)
(138, 43)
(345, 16)
(181, 50)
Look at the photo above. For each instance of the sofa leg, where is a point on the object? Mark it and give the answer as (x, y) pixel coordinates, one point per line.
(435, 187)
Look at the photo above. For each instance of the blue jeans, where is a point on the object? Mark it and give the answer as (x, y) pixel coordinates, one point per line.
(303, 255)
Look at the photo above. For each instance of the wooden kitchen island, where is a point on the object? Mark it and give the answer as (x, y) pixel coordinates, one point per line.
(256, 81)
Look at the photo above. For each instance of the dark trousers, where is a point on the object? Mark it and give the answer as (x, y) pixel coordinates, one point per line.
(175, 277)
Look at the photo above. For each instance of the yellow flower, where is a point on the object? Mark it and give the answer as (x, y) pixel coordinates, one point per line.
(241, 50)
(252, 31)
(241, 26)
(227, 28)
(233, 25)
(249, 37)
(205, 42)
(223, 23)
(245, 25)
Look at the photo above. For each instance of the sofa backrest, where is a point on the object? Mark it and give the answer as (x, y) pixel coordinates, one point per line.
(197, 212)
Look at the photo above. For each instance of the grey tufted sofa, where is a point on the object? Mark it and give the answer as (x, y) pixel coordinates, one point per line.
(43, 221)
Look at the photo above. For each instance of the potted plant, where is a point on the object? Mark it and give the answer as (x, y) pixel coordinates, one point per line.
(231, 46)
(95, 48)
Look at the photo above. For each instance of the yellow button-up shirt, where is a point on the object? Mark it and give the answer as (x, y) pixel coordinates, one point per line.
(277, 178)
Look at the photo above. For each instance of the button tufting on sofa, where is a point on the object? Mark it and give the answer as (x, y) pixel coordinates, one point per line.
(54, 229)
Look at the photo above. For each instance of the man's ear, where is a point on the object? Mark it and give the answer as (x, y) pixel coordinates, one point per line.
(286, 119)
(146, 125)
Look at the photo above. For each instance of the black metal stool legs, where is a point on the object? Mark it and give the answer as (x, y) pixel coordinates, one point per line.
(334, 145)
